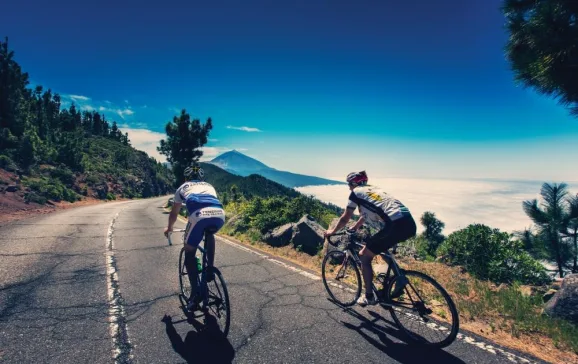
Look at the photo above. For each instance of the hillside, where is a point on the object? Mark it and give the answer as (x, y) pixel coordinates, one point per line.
(242, 165)
(52, 154)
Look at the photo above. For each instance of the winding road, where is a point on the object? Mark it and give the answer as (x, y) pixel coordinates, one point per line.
(91, 284)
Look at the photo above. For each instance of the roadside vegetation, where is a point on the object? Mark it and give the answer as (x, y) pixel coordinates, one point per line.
(52, 153)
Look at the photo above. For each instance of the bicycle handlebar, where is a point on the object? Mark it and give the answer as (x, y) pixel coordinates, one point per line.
(173, 231)
(342, 232)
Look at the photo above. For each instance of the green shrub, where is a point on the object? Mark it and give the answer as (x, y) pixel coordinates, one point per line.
(51, 189)
(34, 198)
(110, 196)
(254, 235)
(490, 254)
(94, 179)
(8, 164)
(63, 174)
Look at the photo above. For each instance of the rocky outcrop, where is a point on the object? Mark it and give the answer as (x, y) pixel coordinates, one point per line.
(305, 235)
(12, 188)
(308, 235)
(564, 303)
(280, 236)
(549, 294)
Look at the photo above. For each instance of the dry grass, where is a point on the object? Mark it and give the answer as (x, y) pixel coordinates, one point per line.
(505, 316)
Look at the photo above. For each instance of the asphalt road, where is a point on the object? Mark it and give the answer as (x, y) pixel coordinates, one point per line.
(55, 301)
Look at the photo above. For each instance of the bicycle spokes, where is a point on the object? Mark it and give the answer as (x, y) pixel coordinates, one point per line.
(424, 310)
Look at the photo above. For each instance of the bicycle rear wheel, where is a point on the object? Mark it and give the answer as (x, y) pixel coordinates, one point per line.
(217, 305)
(424, 305)
(341, 278)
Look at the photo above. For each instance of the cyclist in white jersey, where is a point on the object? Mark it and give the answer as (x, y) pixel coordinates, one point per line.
(382, 212)
(206, 217)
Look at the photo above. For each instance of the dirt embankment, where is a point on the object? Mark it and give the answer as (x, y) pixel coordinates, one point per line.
(14, 207)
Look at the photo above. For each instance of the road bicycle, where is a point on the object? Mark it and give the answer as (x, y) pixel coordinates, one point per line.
(214, 295)
(417, 298)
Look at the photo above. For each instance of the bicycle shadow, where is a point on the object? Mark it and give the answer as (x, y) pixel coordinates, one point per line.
(403, 352)
(204, 344)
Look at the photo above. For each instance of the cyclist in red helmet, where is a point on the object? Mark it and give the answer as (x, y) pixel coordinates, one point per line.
(382, 212)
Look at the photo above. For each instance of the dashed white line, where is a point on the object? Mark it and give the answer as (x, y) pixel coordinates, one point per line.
(116, 315)
(466, 339)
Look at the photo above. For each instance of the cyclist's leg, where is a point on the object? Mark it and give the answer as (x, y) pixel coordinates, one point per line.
(405, 228)
(192, 241)
(374, 246)
(210, 224)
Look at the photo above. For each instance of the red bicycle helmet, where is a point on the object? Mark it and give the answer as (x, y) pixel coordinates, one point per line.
(357, 178)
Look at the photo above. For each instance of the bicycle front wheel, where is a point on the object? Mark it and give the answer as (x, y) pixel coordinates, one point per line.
(424, 311)
(341, 278)
(217, 307)
(184, 282)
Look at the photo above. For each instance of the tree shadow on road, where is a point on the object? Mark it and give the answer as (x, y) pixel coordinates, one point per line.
(402, 352)
(204, 344)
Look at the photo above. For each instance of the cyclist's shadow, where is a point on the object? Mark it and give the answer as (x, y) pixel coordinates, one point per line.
(203, 344)
(402, 352)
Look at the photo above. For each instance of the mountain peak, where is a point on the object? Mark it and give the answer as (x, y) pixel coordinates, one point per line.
(237, 161)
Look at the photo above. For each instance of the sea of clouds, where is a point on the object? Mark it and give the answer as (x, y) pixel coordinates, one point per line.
(457, 203)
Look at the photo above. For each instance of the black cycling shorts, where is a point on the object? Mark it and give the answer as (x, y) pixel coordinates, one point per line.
(396, 232)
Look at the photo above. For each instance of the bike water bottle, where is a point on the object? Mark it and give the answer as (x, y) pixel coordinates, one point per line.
(199, 265)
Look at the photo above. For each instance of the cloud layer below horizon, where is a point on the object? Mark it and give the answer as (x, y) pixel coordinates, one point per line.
(457, 203)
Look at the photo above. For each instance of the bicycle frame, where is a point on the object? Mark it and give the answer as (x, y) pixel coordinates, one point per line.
(202, 281)
(392, 265)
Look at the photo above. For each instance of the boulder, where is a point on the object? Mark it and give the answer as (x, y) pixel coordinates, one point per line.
(564, 303)
(308, 235)
(12, 188)
(280, 236)
(548, 295)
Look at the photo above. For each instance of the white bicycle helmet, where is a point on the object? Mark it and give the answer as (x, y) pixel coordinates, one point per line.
(194, 172)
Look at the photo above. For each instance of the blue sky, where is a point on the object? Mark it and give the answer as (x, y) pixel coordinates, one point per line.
(415, 88)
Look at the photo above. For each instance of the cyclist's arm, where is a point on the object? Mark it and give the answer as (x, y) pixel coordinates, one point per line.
(173, 215)
(358, 223)
(343, 220)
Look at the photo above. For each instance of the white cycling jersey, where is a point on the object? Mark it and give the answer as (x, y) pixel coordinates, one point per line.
(377, 207)
(203, 190)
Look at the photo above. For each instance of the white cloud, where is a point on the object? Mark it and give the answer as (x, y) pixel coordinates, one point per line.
(244, 128)
(148, 141)
(86, 107)
(123, 113)
(211, 152)
(213, 140)
(79, 97)
(145, 140)
(107, 102)
(126, 101)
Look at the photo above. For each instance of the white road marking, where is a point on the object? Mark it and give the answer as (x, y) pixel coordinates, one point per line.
(116, 315)
(466, 339)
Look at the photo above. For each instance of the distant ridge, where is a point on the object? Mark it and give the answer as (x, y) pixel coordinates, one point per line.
(240, 164)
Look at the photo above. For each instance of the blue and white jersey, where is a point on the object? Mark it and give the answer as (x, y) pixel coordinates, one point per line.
(197, 195)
